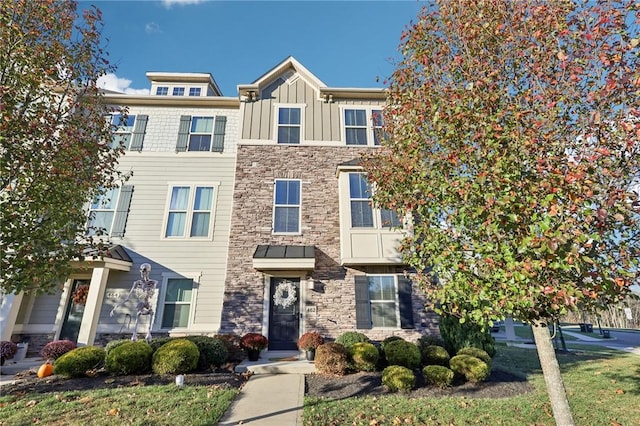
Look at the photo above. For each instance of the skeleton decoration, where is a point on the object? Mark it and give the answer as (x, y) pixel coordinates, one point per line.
(144, 289)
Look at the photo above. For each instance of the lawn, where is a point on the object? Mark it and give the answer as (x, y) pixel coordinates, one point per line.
(603, 388)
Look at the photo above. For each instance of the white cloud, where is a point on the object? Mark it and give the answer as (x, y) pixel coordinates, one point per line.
(113, 82)
(169, 3)
(152, 28)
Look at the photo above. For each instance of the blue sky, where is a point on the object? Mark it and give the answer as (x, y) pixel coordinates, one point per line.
(344, 43)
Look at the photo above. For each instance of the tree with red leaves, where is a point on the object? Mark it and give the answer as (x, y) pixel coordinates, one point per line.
(513, 141)
(55, 139)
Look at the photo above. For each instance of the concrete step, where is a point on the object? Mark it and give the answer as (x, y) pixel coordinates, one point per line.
(278, 362)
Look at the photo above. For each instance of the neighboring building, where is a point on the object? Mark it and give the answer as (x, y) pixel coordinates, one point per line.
(174, 213)
(302, 219)
(234, 201)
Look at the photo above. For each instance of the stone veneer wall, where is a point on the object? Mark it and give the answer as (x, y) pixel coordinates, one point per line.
(256, 169)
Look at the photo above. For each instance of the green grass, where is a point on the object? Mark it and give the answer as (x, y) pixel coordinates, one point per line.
(144, 405)
(603, 387)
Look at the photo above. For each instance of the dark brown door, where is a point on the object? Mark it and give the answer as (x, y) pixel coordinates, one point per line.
(73, 314)
(284, 316)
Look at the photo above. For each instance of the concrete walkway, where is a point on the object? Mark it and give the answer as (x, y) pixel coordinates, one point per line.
(268, 399)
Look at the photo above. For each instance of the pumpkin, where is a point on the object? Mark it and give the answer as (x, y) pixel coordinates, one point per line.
(45, 370)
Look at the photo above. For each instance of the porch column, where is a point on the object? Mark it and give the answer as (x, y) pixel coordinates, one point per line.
(91, 315)
(9, 307)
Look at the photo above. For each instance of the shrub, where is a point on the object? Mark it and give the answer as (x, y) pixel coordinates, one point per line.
(57, 348)
(426, 340)
(438, 375)
(7, 350)
(458, 335)
(129, 358)
(254, 341)
(403, 353)
(473, 369)
(114, 344)
(435, 355)
(177, 356)
(331, 358)
(77, 362)
(232, 342)
(364, 356)
(310, 341)
(397, 378)
(348, 338)
(478, 353)
(388, 340)
(157, 343)
(213, 352)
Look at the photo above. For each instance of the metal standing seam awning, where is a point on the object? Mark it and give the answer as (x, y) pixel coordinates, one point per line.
(287, 257)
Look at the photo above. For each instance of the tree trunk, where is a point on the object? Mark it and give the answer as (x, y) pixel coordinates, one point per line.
(552, 377)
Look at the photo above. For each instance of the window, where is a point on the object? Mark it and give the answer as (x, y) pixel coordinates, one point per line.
(355, 124)
(289, 125)
(178, 91)
(108, 212)
(190, 211)
(162, 91)
(176, 308)
(383, 301)
(359, 193)
(362, 213)
(362, 126)
(197, 133)
(286, 209)
(123, 127)
(194, 91)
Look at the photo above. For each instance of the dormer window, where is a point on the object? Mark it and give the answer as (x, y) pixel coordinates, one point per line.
(194, 91)
(162, 91)
(178, 91)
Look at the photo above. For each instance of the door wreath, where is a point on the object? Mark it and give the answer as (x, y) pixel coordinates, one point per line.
(285, 287)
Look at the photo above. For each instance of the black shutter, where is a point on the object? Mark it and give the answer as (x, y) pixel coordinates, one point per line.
(406, 306)
(122, 211)
(218, 133)
(138, 132)
(183, 133)
(363, 305)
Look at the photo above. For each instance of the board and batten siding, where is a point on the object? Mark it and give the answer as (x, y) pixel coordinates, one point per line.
(321, 120)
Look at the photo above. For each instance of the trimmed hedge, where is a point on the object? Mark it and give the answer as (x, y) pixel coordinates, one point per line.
(476, 352)
(438, 375)
(129, 358)
(473, 369)
(77, 362)
(213, 352)
(114, 344)
(331, 358)
(364, 356)
(403, 353)
(397, 378)
(349, 338)
(435, 355)
(177, 356)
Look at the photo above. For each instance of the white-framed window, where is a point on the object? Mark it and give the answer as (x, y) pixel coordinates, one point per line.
(178, 91)
(287, 206)
(289, 124)
(190, 211)
(162, 91)
(123, 128)
(201, 134)
(195, 91)
(383, 301)
(363, 215)
(102, 211)
(362, 126)
(176, 301)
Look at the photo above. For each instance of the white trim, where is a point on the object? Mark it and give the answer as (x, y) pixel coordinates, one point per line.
(276, 107)
(160, 301)
(299, 205)
(396, 301)
(189, 211)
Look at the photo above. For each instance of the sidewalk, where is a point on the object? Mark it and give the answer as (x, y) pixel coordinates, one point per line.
(268, 399)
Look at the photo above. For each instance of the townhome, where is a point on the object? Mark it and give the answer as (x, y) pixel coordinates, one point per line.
(173, 213)
(308, 252)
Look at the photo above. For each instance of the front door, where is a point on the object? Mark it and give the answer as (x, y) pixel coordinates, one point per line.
(73, 314)
(284, 313)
